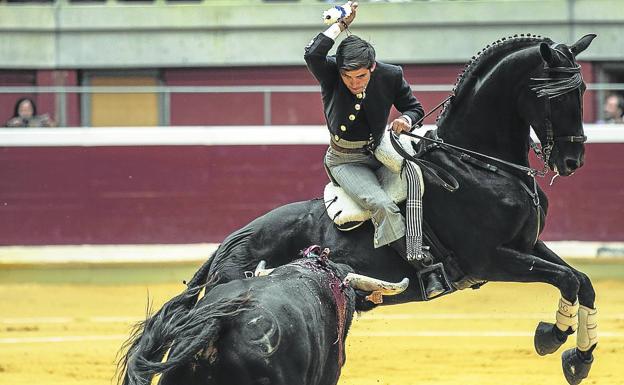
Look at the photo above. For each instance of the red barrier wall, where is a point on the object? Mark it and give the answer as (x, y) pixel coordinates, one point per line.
(118, 195)
(589, 205)
(188, 194)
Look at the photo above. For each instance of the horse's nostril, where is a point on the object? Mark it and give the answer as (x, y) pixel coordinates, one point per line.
(572, 164)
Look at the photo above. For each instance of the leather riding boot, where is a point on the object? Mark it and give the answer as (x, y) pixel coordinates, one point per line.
(433, 285)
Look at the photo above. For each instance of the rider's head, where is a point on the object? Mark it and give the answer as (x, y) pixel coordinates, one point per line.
(356, 62)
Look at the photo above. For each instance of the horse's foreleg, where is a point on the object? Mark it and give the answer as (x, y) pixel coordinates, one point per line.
(586, 294)
(587, 336)
(550, 336)
(576, 362)
(515, 266)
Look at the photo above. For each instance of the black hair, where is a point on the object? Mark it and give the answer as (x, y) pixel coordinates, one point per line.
(19, 101)
(354, 53)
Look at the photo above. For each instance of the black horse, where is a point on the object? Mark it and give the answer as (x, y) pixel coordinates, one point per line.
(493, 221)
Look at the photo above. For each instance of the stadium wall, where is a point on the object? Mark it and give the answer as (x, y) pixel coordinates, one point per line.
(183, 185)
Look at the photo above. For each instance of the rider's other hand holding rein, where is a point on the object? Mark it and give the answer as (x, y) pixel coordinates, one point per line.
(400, 125)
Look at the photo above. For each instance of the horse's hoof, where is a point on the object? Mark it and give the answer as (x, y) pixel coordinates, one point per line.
(546, 340)
(575, 368)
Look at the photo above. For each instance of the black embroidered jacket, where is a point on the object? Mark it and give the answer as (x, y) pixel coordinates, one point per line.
(362, 116)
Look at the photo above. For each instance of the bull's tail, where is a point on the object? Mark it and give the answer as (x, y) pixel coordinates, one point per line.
(191, 330)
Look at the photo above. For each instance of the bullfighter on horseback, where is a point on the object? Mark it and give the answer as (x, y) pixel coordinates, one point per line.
(358, 93)
(485, 227)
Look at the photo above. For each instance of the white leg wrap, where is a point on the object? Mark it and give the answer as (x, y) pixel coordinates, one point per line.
(588, 328)
(567, 315)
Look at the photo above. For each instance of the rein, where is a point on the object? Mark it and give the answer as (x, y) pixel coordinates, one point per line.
(397, 146)
(438, 141)
(463, 155)
(437, 173)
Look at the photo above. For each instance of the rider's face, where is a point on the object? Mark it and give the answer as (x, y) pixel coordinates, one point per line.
(357, 80)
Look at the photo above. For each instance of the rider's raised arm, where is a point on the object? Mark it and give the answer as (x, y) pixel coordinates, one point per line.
(323, 67)
(405, 101)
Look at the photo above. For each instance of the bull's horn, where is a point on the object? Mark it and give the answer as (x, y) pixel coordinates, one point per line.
(362, 282)
(262, 270)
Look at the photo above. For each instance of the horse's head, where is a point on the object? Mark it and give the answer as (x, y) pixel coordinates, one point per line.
(555, 105)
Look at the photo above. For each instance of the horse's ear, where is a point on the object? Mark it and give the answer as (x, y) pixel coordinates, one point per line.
(582, 44)
(547, 53)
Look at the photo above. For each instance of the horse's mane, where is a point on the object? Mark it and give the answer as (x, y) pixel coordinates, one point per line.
(482, 62)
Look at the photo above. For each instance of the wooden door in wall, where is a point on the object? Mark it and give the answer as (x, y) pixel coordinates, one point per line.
(124, 109)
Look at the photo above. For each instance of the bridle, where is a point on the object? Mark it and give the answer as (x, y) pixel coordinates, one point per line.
(550, 88)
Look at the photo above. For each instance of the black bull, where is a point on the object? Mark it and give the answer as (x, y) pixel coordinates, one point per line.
(285, 328)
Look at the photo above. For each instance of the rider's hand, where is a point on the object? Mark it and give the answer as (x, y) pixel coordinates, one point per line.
(400, 125)
(349, 19)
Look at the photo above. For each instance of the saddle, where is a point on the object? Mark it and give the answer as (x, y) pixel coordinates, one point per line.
(345, 212)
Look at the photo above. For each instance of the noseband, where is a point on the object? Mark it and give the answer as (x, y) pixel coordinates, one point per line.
(551, 88)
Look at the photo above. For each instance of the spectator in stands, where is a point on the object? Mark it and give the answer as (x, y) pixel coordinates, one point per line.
(613, 109)
(25, 115)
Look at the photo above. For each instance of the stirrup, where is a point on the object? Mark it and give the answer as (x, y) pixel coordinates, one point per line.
(437, 268)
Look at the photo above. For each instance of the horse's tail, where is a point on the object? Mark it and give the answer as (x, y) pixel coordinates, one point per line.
(178, 305)
(234, 245)
(191, 330)
(234, 254)
(148, 337)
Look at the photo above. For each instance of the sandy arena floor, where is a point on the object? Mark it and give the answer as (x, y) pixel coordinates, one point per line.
(64, 334)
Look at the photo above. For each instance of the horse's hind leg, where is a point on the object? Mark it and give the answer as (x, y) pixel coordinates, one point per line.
(576, 362)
